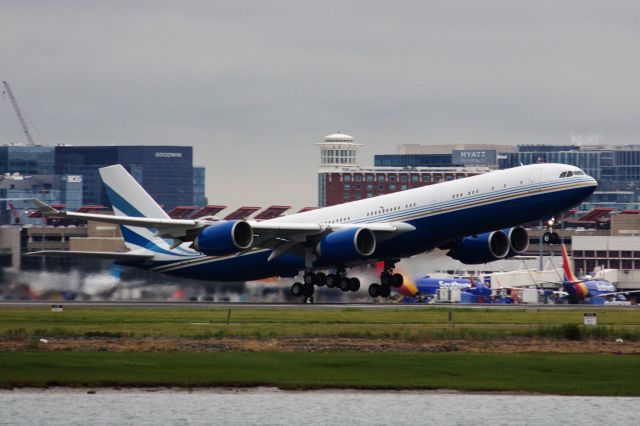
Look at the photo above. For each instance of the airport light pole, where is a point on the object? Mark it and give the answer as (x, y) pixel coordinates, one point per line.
(542, 231)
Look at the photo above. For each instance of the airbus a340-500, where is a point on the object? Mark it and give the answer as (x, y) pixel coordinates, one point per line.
(476, 219)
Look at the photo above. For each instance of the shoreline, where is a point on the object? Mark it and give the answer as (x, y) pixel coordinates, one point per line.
(261, 390)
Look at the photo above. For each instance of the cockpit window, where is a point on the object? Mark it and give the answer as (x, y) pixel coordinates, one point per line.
(571, 173)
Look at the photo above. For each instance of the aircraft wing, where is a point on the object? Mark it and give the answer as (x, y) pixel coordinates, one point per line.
(94, 254)
(144, 222)
(267, 234)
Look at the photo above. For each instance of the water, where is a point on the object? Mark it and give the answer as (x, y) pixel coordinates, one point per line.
(273, 407)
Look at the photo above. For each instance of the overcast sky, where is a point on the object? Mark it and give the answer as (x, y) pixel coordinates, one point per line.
(253, 85)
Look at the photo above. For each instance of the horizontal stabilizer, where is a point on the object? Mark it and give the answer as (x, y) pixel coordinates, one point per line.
(95, 254)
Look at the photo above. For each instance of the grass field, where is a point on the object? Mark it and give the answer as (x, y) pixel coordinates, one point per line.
(406, 324)
(542, 373)
(31, 363)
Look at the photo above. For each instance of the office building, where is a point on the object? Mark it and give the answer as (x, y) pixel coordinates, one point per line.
(166, 172)
(27, 160)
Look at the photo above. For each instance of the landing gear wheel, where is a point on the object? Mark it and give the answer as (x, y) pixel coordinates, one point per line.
(332, 280)
(546, 238)
(354, 284)
(297, 289)
(555, 238)
(309, 278)
(397, 280)
(344, 284)
(321, 279)
(385, 278)
(385, 290)
(374, 290)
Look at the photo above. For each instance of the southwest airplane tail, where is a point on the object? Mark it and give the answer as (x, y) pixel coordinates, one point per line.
(575, 288)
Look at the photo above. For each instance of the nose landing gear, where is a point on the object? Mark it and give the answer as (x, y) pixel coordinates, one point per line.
(550, 236)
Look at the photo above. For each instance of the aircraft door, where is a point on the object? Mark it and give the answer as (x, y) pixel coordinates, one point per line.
(436, 198)
(535, 180)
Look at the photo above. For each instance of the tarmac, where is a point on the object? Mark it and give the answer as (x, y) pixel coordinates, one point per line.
(309, 306)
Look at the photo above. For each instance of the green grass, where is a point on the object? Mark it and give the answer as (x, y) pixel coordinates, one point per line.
(406, 324)
(543, 373)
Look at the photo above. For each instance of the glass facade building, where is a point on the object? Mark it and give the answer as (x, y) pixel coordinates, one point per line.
(166, 172)
(413, 160)
(199, 197)
(27, 160)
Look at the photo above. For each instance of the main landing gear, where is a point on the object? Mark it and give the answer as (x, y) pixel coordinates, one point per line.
(388, 279)
(320, 279)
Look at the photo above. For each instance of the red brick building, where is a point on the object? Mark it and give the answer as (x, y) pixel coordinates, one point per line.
(341, 185)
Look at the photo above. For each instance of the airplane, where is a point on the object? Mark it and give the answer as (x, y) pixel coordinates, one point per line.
(466, 216)
(578, 290)
(428, 287)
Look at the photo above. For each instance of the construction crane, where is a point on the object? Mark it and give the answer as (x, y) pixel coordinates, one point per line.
(16, 107)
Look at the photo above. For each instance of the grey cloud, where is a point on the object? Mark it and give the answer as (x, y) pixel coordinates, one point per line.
(254, 85)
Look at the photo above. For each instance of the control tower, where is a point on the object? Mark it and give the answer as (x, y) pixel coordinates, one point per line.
(338, 150)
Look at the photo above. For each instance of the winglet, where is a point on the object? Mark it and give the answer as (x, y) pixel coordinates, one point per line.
(45, 208)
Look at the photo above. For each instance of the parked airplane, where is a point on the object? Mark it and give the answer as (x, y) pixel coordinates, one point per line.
(578, 290)
(465, 216)
(427, 286)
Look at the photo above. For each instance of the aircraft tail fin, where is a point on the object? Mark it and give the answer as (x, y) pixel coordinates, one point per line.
(128, 198)
(566, 266)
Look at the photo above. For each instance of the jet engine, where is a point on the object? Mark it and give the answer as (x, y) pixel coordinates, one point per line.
(224, 238)
(518, 240)
(481, 248)
(346, 244)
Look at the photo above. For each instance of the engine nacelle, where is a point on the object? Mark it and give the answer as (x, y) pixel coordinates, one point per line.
(518, 240)
(481, 248)
(224, 238)
(346, 244)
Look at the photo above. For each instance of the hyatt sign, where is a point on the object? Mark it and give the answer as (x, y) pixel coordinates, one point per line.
(474, 158)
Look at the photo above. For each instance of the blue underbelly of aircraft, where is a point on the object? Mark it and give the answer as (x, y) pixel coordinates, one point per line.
(430, 232)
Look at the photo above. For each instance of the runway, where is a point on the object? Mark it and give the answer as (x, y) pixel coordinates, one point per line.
(309, 306)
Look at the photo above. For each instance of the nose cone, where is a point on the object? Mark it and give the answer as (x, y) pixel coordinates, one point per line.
(592, 185)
